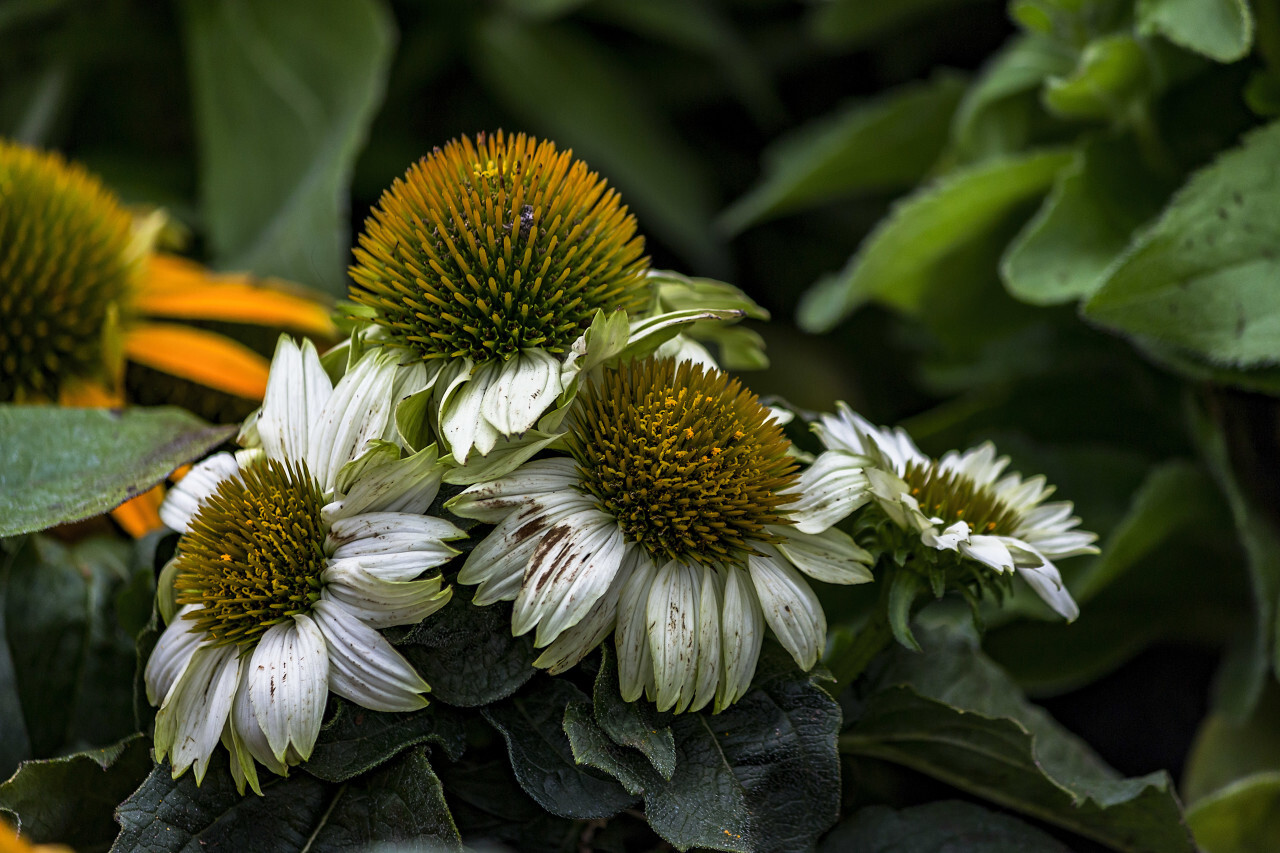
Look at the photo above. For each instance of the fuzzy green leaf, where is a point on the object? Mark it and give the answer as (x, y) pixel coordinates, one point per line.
(940, 827)
(356, 739)
(632, 724)
(284, 95)
(1243, 817)
(1219, 29)
(61, 465)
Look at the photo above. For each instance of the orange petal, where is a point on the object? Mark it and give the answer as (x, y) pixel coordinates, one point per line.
(177, 287)
(89, 395)
(141, 515)
(199, 356)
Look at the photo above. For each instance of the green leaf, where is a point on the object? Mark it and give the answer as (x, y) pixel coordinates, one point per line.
(570, 88)
(467, 654)
(1111, 75)
(401, 801)
(1202, 276)
(885, 144)
(1219, 29)
(1084, 224)
(941, 827)
(72, 800)
(853, 23)
(1244, 817)
(1225, 751)
(356, 739)
(284, 95)
(910, 249)
(73, 664)
(61, 465)
(637, 725)
(950, 713)
(531, 723)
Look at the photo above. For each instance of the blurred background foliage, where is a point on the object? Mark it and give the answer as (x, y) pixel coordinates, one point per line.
(1050, 223)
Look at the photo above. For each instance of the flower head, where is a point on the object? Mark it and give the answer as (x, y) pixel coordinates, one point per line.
(294, 552)
(668, 525)
(963, 503)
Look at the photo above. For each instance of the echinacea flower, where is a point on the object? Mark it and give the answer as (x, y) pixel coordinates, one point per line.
(668, 525)
(962, 503)
(293, 554)
(488, 262)
(83, 290)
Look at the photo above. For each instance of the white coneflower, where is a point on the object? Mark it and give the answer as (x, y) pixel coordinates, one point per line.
(668, 526)
(293, 554)
(962, 503)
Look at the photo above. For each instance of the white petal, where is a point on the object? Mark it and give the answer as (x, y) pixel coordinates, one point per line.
(1047, 583)
(460, 421)
(362, 665)
(709, 614)
(988, 550)
(830, 556)
(381, 603)
(573, 565)
(171, 655)
(685, 348)
(789, 605)
(380, 532)
(491, 502)
(742, 632)
(830, 489)
(288, 685)
(577, 641)
(949, 539)
(247, 731)
(355, 414)
(189, 723)
(297, 389)
(390, 485)
(526, 385)
(498, 563)
(390, 567)
(635, 663)
(186, 497)
(672, 626)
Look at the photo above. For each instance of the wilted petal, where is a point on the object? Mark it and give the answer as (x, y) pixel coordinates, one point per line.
(830, 556)
(492, 501)
(829, 490)
(742, 633)
(635, 663)
(789, 605)
(362, 665)
(171, 655)
(189, 723)
(288, 685)
(672, 625)
(709, 614)
(525, 386)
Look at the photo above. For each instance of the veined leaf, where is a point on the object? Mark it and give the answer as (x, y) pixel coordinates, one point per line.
(1219, 29)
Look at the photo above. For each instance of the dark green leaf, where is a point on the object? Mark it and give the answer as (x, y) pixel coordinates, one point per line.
(531, 722)
(592, 747)
(1219, 29)
(1225, 751)
(556, 79)
(284, 96)
(1244, 817)
(941, 827)
(60, 465)
(885, 144)
(72, 800)
(634, 724)
(467, 654)
(1202, 276)
(859, 22)
(489, 806)
(910, 249)
(1084, 224)
(356, 739)
(950, 713)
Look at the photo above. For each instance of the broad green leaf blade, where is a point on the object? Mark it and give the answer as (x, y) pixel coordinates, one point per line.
(1225, 751)
(952, 714)
(61, 465)
(356, 739)
(532, 725)
(632, 724)
(565, 85)
(72, 800)
(1244, 817)
(284, 94)
(1219, 29)
(885, 144)
(1084, 224)
(940, 827)
(1202, 277)
(909, 250)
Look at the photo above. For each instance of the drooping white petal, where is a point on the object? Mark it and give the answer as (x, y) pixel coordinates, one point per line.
(381, 603)
(573, 565)
(297, 389)
(830, 489)
(388, 532)
(830, 556)
(672, 625)
(1047, 582)
(709, 615)
(490, 502)
(288, 685)
(171, 655)
(186, 497)
(246, 729)
(525, 386)
(362, 665)
(392, 566)
(948, 539)
(990, 551)
(742, 632)
(189, 723)
(577, 641)
(356, 413)
(635, 663)
(461, 423)
(789, 605)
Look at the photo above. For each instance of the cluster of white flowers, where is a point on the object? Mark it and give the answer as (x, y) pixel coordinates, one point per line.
(635, 491)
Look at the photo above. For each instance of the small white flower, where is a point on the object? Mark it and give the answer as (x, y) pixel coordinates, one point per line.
(963, 502)
(294, 552)
(669, 528)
